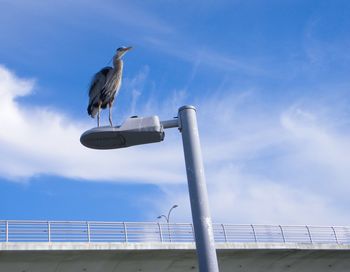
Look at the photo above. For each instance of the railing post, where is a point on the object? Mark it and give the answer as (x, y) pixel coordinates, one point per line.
(7, 231)
(160, 233)
(169, 232)
(308, 231)
(335, 235)
(224, 231)
(284, 240)
(255, 239)
(88, 231)
(49, 231)
(125, 233)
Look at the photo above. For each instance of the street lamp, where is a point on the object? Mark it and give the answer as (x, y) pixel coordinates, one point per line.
(144, 130)
(167, 218)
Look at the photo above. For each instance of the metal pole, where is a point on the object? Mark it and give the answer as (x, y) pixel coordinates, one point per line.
(173, 207)
(49, 231)
(308, 231)
(335, 235)
(7, 231)
(88, 231)
(125, 233)
(284, 239)
(160, 233)
(203, 228)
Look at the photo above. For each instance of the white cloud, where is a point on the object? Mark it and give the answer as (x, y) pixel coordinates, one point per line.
(285, 168)
(135, 86)
(36, 140)
(289, 168)
(201, 55)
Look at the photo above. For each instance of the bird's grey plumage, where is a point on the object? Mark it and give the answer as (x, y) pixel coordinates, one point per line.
(97, 84)
(105, 86)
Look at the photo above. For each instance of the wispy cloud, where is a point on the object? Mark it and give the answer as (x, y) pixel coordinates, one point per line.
(123, 14)
(289, 168)
(284, 167)
(182, 48)
(35, 140)
(136, 86)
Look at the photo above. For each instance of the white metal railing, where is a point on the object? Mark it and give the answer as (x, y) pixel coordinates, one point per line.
(133, 232)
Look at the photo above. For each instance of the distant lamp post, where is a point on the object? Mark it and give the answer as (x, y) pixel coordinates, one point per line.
(167, 218)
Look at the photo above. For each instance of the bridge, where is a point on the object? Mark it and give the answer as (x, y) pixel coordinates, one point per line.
(27, 246)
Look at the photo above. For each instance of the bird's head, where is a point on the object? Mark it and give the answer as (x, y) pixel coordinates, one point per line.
(121, 51)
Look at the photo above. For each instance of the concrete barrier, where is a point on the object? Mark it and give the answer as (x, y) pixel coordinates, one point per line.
(111, 257)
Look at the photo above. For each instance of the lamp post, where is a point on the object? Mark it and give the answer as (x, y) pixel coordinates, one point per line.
(167, 218)
(143, 130)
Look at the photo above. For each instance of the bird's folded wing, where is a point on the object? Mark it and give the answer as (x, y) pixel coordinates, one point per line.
(97, 83)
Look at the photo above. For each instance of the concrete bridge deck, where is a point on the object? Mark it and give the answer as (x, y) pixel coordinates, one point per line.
(150, 257)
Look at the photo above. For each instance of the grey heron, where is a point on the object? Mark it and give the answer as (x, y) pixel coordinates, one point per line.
(105, 86)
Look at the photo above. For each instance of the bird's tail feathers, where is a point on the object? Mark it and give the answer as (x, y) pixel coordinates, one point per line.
(92, 111)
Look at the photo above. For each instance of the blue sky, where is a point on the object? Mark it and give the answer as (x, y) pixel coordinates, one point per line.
(270, 80)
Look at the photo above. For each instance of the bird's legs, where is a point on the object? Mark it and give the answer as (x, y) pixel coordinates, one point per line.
(98, 115)
(110, 113)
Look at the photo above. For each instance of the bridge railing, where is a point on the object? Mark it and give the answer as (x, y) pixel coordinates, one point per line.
(135, 232)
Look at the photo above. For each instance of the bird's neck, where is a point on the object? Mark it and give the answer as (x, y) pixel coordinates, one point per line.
(118, 64)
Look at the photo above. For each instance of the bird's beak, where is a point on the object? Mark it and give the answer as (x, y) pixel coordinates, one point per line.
(128, 48)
